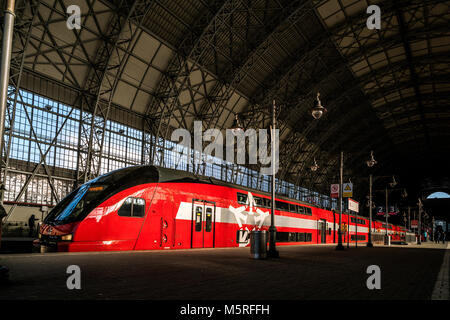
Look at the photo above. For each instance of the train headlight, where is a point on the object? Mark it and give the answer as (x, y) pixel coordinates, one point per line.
(67, 237)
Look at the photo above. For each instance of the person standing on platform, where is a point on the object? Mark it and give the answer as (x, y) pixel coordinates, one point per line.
(31, 222)
(4, 271)
(2, 215)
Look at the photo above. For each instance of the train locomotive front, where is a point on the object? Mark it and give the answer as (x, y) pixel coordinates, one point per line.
(106, 213)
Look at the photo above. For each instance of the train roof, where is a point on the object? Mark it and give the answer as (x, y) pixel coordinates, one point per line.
(150, 174)
(144, 174)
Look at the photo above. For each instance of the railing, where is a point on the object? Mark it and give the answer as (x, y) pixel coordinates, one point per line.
(410, 237)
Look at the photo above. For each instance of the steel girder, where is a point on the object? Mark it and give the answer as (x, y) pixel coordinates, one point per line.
(348, 135)
(439, 29)
(23, 32)
(102, 82)
(290, 70)
(17, 65)
(259, 118)
(223, 91)
(336, 108)
(435, 29)
(403, 38)
(176, 78)
(23, 35)
(387, 37)
(301, 98)
(218, 100)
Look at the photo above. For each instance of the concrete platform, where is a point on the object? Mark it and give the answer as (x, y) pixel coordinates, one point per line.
(301, 272)
(16, 245)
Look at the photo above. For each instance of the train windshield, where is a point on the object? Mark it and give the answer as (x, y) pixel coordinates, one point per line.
(77, 205)
(71, 209)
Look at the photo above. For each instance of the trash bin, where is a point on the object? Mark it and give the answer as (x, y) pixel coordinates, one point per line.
(2, 215)
(4, 271)
(387, 240)
(1, 230)
(258, 244)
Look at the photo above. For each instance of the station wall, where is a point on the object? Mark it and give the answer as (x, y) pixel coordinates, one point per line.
(22, 213)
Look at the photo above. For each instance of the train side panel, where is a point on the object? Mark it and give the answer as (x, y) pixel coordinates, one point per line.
(196, 215)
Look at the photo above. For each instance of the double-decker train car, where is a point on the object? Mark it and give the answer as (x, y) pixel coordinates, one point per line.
(147, 207)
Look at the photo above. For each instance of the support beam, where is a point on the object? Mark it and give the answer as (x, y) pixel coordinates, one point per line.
(5, 67)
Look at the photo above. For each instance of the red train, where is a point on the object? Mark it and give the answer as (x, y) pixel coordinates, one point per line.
(147, 207)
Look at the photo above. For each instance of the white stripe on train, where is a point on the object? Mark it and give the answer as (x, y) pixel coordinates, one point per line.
(224, 215)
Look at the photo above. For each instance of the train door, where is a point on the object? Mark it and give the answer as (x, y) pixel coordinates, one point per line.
(322, 231)
(203, 221)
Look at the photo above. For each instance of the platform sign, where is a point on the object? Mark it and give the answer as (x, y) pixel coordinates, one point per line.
(393, 210)
(334, 191)
(347, 190)
(414, 224)
(353, 205)
(380, 211)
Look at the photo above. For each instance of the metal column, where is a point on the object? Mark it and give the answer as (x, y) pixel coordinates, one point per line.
(272, 229)
(341, 177)
(369, 243)
(419, 227)
(387, 216)
(4, 68)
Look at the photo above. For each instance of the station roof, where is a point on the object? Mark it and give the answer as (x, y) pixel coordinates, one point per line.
(177, 61)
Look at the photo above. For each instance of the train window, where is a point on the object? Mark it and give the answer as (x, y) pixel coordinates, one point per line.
(304, 237)
(198, 218)
(125, 209)
(308, 211)
(282, 237)
(138, 207)
(277, 205)
(292, 236)
(359, 237)
(292, 208)
(208, 226)
(301, 210)
(241, 198)
(308, 237)
(267, 203)
(132, 207)
(259, 202)
(282, 205)
(358, 221)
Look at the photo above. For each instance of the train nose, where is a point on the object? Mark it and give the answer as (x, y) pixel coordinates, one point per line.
(51, 237)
